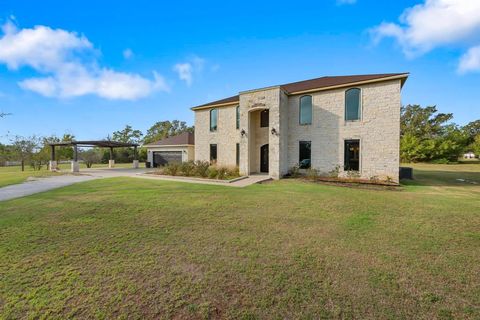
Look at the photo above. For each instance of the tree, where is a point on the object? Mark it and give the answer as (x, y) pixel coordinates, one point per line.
(427, 136)
(164, 129)
(23, 148)
(91, 156)
(475, 146)
(472, 129)
(127, 135)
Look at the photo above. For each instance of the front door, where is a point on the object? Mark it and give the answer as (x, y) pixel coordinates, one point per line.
(264, 158)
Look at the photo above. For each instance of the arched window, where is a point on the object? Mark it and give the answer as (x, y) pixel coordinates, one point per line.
(238, 117)
(213, 119)
(352, 104)
(305, 110)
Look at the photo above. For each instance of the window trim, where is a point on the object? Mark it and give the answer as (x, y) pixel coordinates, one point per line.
(360, 105)
(300, 110)
(299, 152)
(216, 114)
(359, 154)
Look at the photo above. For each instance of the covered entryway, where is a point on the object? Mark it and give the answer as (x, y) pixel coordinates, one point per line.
(161, 158)
(264, 158)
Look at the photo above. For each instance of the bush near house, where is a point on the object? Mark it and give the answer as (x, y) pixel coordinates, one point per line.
(199, 169)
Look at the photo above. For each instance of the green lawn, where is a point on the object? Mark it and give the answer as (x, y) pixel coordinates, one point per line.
(14, 174)
(133, 248)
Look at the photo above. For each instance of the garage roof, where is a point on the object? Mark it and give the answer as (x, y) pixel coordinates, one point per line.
(181, 139)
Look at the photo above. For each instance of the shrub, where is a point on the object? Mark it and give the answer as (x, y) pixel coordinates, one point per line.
(172, 169)
(212, 172)
(222, 173)
(352, 174)
(335, 172)
(187, 168)
(294, 171)
(201, 168)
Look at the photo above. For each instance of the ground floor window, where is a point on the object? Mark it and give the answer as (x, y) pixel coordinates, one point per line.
(213, 153)
(238, 154)
(305, 154)
(352, 155)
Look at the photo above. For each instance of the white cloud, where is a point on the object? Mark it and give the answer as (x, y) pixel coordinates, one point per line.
(186, 70)
(433, 24)
(341, 2)
(470, 61)
(69, 65)
(127, 53)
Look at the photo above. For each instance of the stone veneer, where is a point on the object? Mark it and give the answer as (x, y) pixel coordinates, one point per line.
(378, 131)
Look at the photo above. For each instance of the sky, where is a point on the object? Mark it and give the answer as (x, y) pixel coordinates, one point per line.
(89, 68)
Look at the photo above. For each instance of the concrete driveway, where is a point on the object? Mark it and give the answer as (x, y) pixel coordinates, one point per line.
(44, 184)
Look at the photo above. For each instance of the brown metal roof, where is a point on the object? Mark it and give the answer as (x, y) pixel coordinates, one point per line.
(181, 139)
(317, 83)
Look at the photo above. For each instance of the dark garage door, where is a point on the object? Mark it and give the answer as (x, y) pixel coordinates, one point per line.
(161, 158)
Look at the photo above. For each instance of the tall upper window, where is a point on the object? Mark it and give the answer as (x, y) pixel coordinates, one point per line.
(213, 119)
(352, 104)
(264, 115)
(306, 110)
(305, 154)
(238, 116)
(352, 155)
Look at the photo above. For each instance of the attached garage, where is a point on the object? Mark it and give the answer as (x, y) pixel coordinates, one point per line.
(179, 148)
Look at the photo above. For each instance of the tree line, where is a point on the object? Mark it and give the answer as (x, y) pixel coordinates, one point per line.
(429, 136)
(36, 152)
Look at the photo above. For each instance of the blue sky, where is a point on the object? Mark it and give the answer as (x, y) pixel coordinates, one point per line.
(138, 62)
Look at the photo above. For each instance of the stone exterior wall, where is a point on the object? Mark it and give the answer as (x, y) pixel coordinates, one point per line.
(226, 137)
(378, 130)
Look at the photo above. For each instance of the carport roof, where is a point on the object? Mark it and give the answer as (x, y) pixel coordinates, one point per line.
(184, 138)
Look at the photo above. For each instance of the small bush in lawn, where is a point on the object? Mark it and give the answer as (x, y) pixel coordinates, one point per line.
(201, 168)
(212, 172)
(187, 168)
(312, 174)
(172, 169)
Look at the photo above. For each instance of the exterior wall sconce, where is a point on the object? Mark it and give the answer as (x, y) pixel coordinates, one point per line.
(274, 132)
(243, 133)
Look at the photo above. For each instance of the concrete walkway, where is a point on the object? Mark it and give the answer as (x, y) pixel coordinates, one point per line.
(40, 185)
(44, 184)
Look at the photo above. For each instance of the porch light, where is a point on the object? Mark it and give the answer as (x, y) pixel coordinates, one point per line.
(273, 131)
(243, 133)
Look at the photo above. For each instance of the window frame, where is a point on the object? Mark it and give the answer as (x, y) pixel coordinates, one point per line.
(360, 105)
(216, 120)
(346, 141)
(300, 153)
(216, 152)
(300, 110)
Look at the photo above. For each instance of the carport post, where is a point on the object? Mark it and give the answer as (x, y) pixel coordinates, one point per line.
(111, 162)
(52, 164)
(135, 160)
(75, 165)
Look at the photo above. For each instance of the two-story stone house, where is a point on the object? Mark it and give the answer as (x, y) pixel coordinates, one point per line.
(344, 123)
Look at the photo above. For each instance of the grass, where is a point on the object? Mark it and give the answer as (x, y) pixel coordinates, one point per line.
(14, 174)
(134, 248)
